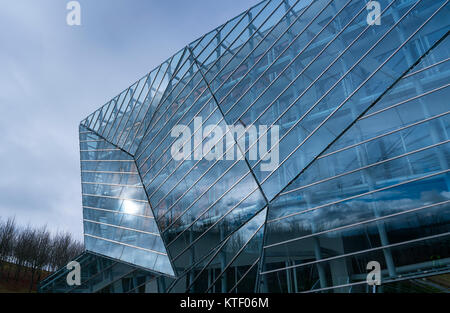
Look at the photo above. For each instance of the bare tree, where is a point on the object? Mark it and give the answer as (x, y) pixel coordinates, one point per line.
(39, 253)
(34, 250)
(64, 249)
(75, 249)
(23, 251)
(8, 232)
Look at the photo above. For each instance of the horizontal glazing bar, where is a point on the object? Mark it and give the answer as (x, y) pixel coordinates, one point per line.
(125, 244)
(118, 212)
(360, 195)
(380, 136)
(114, 185)
(121, 227)
(368, 166)
(110, 197)
(107, 160)
(357, 224)
(107, 172)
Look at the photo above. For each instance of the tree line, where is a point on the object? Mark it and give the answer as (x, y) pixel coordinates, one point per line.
(33, 250)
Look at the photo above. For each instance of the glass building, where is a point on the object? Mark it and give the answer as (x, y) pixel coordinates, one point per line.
(360, 157)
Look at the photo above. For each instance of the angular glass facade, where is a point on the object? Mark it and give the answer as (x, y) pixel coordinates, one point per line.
(362, 151)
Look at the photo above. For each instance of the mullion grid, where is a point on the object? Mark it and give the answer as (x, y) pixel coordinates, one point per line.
(127, 129)
(191, 267)
(97, 259)
(114, 112)
(343, 103)
(349, 226)
(190, 122)
(223, 37)
(147, 281)
(352, 172)
(211, 227)
(85, 122)
(302, 93)
(275, 100)
(252, 266)
(401, 128)
(359, 195)
(61, 272)
(123, 245)
(120, 200)
(157, 226)
(215, 109)
(119, 112)
(85, 134)
(266, 52)
(104, 122)
(369, 140)
(263, 111)
(113, 197)
(393, 106)
(236, 257)
(236, 253)
(165, 98)
(129, 110)
(131, 269)
(211, 254)
(101, 115)
(139, 128)
(168, 89)
(398, 244)
(385, 282)
(122, 177)
(216, 162)
(377, 137)
(403, 43)
(180, 80)
(205, 212)
(427, 68)
(106, 145)
(118, 212)
(212, 66)
(121, 227)
(95, 116)
(412, 72)
(111, 106)
(130, 93)
(192, 77)
(210, 132)
(146, 96)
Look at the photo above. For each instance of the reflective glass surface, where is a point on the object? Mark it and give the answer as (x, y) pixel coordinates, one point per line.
(184, 175)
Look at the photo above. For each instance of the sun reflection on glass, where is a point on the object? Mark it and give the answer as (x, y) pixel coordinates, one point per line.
(130, 207)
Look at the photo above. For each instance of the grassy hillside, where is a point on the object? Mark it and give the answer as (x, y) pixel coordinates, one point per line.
(9, 283)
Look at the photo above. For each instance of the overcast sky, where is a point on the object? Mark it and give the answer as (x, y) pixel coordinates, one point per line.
(53, 75)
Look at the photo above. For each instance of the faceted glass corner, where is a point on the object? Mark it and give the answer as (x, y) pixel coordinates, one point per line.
(118, 220)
